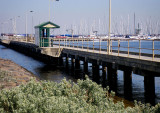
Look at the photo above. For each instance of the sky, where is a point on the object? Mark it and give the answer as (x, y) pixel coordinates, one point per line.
(83, 16)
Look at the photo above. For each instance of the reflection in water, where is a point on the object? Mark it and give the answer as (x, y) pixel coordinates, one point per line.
(57, 73)
(53, 73)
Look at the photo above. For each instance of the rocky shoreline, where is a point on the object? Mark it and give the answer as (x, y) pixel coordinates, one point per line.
(11, 74)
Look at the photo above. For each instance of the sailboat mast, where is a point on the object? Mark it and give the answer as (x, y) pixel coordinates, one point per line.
(134, 24)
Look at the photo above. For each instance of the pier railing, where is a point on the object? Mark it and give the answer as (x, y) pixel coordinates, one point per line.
(143, 49)
(27, 39)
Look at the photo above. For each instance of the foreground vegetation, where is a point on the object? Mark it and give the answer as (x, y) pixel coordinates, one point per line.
(65, 97)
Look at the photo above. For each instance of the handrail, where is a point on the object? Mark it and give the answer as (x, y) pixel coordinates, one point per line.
(101, 46)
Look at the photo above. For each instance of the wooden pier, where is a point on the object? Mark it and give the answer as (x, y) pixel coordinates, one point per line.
(142, 64)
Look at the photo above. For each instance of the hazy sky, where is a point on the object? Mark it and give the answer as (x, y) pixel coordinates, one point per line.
(76, 13)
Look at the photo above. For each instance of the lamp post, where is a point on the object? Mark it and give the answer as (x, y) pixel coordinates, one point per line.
(26, 24)
(109, 33)
(32, 25)
(12, 24)
(15, 25)
(11, 28)
(26, 27)
(50, 9)
(2, 25)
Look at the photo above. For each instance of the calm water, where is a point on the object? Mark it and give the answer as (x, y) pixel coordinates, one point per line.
(38, 68)
(50, 72)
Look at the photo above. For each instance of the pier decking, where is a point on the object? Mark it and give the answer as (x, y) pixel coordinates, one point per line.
(143, 62)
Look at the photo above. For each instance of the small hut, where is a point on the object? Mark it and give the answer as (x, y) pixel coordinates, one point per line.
(42, 33)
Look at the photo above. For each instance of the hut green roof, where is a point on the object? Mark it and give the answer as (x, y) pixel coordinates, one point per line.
(47, 25)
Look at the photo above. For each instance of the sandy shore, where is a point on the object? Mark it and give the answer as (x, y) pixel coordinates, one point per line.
(11, 74)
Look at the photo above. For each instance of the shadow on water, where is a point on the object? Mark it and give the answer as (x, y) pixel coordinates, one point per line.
(4, 48)
(53, 73)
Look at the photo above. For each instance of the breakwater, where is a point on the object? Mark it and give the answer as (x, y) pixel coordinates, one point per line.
(31, 50)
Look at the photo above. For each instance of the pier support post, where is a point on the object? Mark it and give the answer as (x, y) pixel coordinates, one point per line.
(112, 77)
(72, 62)
(104, 72)
(60, 61)
(114, 80)
(72, 65)
(95, 72)
(85, 68)
(77, 63)
(128, 83)
(77, 67)
(149, 86)
(66, 66)
(67, 59)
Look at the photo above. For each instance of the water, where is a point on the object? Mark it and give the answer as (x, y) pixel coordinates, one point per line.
(38, 68)
(51, 72)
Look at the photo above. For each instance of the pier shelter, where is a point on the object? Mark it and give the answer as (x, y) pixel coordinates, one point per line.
(42, 33)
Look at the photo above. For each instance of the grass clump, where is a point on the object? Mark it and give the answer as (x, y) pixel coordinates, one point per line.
(85, 96)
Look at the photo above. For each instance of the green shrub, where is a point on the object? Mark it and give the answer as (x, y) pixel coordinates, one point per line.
(64, 97)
